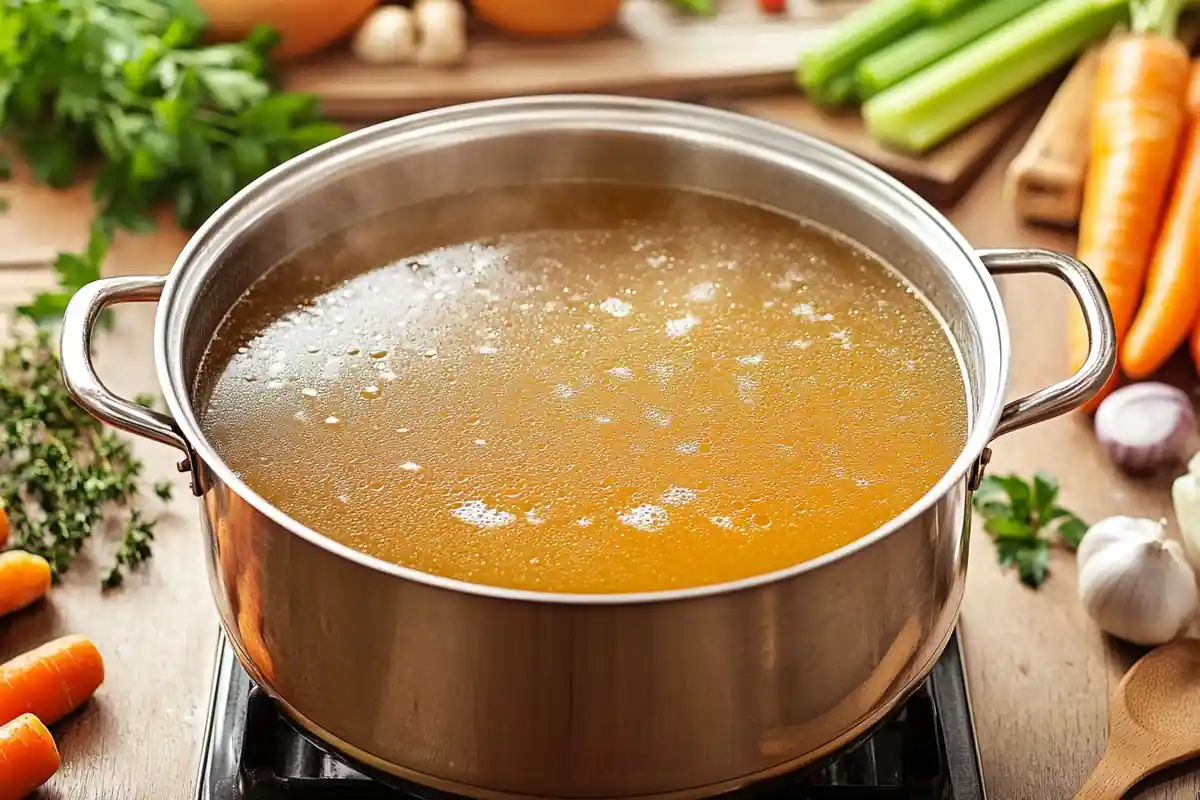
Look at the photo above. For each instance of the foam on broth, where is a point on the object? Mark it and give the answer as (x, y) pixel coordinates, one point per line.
(587, 388)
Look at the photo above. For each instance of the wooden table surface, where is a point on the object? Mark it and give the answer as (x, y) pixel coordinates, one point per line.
(1040, 674)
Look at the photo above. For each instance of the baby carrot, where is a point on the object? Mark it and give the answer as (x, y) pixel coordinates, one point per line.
(1172, 298)
(51, 681)
(1137, 122)
(24, 578)
(28, 757)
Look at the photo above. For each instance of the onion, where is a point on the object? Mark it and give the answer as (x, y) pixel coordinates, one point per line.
(1146, 426)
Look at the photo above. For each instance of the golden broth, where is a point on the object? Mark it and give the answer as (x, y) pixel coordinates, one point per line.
(596, 389)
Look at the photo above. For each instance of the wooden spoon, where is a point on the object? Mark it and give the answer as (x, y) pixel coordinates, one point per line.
(1154, 720)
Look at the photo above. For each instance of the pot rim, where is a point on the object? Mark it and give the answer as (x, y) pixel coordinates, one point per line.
(769, 140)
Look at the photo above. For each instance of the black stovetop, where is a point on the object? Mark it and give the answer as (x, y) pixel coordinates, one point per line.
(926, 751)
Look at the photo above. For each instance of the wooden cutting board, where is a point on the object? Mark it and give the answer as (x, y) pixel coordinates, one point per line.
(740, 54)
(941, 176)
(655, 51)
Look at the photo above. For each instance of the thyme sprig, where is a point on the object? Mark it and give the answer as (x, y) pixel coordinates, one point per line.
(63, 475)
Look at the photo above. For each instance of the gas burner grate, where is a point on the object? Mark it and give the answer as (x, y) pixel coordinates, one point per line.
(926, 751)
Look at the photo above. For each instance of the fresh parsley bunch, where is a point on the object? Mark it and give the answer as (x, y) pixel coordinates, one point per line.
(130, 85)
(1021, 516)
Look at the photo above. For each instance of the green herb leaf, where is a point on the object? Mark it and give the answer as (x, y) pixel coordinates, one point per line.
(1045, 492)
(1009, 528)
(1021, 517)
(46, 307)
(1033, 563)
(1072, 529)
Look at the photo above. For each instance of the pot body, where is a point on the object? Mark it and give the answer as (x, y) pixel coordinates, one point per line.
(492, 693)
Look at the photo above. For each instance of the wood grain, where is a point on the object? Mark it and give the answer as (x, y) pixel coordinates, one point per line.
(1045, 179)
(656, 51)
(1040, 674)
(1153, 720)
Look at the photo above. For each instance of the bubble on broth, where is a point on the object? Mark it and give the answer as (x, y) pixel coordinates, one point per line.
(646, 518)
(702, 292)
(478, 514)
(681, 326)
(616, 307)
(657, 416)
(678, 496)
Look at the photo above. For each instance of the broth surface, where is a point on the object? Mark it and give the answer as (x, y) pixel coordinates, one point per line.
(595, 389)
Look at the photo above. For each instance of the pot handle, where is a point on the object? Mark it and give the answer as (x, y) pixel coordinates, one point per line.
(79, 374)
(1076, 390)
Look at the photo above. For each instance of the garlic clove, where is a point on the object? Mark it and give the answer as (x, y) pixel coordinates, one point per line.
(388, 36)
(1185, 497)
(1136, 588)
(1193, 466)
(1145, 426)
(442, 28)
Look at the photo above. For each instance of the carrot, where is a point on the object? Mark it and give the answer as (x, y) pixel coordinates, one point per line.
(3, 527)
(1196, 344)
(28, 757)
(1172, 299)
(1137, 122)
(24, 578)
(51, 681)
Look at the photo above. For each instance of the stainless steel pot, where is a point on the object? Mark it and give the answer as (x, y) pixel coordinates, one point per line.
(492, 692)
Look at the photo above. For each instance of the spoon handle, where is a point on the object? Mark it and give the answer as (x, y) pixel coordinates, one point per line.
(1113, 777)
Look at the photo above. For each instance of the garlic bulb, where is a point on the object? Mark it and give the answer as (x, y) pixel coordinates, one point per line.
(389, 36)
(1134, 582)
(1185, 495)
(1113, 529)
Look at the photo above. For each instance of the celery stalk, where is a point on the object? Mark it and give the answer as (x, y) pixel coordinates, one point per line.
(941, 9)
(1156, 17)
(923, 110)
(835, 92)
(704, 8)
(873, 26)
(918, 50)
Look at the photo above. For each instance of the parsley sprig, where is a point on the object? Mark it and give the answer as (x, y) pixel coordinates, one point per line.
(129, 84)
(1022, 517)
(63, 475)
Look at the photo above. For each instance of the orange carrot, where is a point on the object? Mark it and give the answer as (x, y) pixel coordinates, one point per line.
(28, 757)
(1196, 344)
(51, 681)
(24, 578)
(1137, 122)
(3, 527)
(1172, 299)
